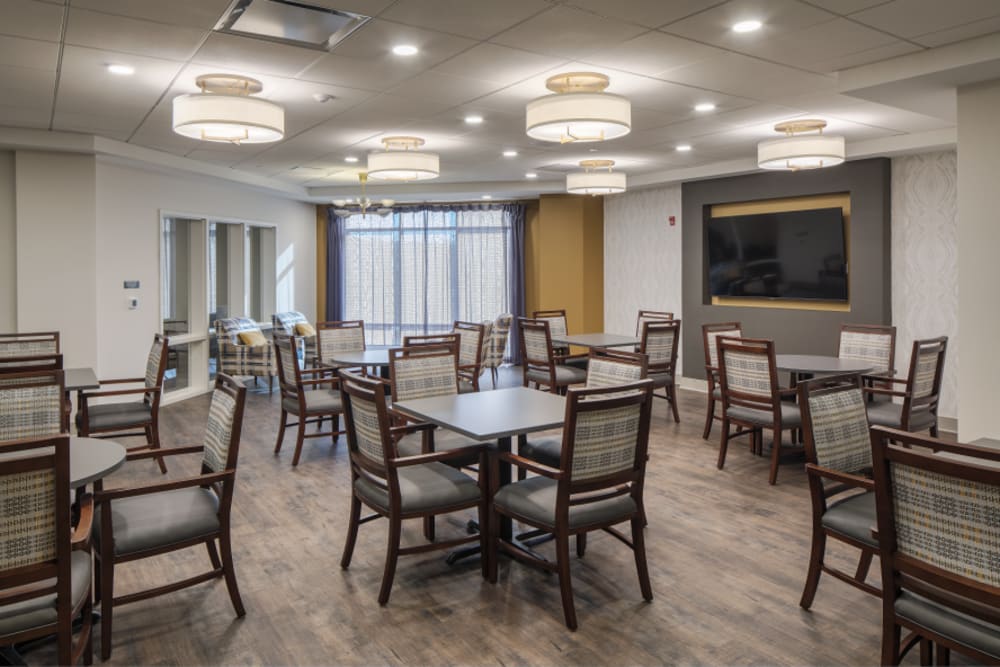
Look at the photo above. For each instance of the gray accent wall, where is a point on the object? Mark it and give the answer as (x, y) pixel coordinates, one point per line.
(793, 331)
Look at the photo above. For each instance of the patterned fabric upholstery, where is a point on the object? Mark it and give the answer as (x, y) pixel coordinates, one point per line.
(642, 319)
(535, 345)
(923, 377)
(840, 431)
(468, 347)
(557, 324)
(30, 411)
(238, 359)
(496, 342)
(285, 322)
(367, 429)
(748, 373)
(27, 518)
(340, 339)
(951, 523)
(606, 373)
(218, 433)
(289, 361)
(423, 377)
(27, 348)
(660, 346)
(153, 364)
(604, 442)
(713, 344)
(869, 347)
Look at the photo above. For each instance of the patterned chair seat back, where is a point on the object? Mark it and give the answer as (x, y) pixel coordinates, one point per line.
(835, 424)
(333, 337)
(31, 404)
(470, 344)
(711, 333)
(556, 320)
(286, 321)
(225, 419)
(611, 368)
(650, 316)
(286, 348)
(30, 345)
(871, 344)
(537, 342)
(423, 371)
(748, 373)
(659, 344)
(366, 420)
(230, 328)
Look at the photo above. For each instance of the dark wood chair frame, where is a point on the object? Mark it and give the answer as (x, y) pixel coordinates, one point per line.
(712, 372)
(547, 366)
(735, 398)
(620, 356)
(151, 395)
(306, 379)
(34, 362)
(827, 485)
(669, 367)
(879, 385)
(222, 483)
(385, 474)
(963, 594)
(470, 372)
(629, 482)
(336, 324)
(561, 352)
(874, 329)
(11, 339)
(650, 315)
(54, 577)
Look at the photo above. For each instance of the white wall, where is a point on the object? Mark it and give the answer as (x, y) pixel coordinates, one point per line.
(925, 262)
(8, 244)
(642, 256)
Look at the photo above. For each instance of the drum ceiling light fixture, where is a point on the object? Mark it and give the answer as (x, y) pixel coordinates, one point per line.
(400, 161)
(797, 150)
(579, 111)
(224, 111)
(596, 179)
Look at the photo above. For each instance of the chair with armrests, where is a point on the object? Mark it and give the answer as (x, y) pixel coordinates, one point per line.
(35, 362)
(470, 354)
(838, 465)
(294, 323)
(32, 404)
(938, 511)
(558, 327)
(597, 485)
(540, 364)
(141, 521)
(920, 390)
(310, 395)
(402, 487)
(244, 350)
(28, 344)
(450, 338)
(709, 335)
(340, 336)
(496, 345)
(46, 565)
(650, 316)
(871, 343)
(659, 342)
(118, 420)
(752, 398)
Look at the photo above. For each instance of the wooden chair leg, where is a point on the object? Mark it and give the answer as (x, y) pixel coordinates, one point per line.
(890, 642)
(493, 374)
(709, 416)
(352, 532)
(270, 384)
(213, 555)
(107, 600)
(815, 567)
(391, 555)
(335, 425)
(672, 397)
(581, 544)
(429, 528)
(229, 572)
(88, 646)
(486, 555)
(864, 564)
(153, 439)
(926, 651)
(494, 542)
(943, 656)
(639, 551)
(281, 431)
(300, 437)
(775, 455)
(723, 444)
(565, 585)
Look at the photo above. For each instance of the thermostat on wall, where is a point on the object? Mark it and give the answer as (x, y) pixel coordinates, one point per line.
(131, 284)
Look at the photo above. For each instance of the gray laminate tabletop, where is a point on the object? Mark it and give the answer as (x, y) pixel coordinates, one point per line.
(90, 459)
(369, 357)
(986, 442)
(817, 364)
(596, 340)
(80, 378)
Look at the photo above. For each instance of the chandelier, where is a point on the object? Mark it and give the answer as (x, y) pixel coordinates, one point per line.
(382, 207)
(225, 111)
(579, 110)
(595, 179)
(400, 161)
(798, 150)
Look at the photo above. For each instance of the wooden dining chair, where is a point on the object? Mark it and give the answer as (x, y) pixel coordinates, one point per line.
(597, 485)
(470, 354)
(540, 364)
(938, 509)
(556, 319)
(752, 397)
(710, 334)
(874, 344)
(34, 362)
(32, 404)
(148, 520)
(920, 390)
(838, 466)
(339, 336)
(45, 563)
(402, 487)
(659, 342)
(29, 344)
(650, 316)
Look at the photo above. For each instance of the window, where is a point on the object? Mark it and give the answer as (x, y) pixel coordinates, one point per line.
(418, 270)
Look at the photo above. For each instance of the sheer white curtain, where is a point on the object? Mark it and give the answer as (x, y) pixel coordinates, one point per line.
(418, 270)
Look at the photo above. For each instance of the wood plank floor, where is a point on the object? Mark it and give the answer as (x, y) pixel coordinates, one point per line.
(727, 557)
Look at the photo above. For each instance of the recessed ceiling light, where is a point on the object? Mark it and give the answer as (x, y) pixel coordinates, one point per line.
(747, 26)
(510, 153)
(531, 174)
(121, 70)
(405, 50)
(474, 119)
(322, 98)
(487, 196)
(350, 158)
(683, 148)
(704, 106)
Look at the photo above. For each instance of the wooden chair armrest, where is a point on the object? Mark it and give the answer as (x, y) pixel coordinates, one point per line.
(529, 465)
(150, 453)
(788, 392)
(81, 534)
(884, 392)
(122, 381)
(417, 459)
(157, 487)
(318, 382)
(882, 377)
(119, 392)
(843, 477)
(411, 428)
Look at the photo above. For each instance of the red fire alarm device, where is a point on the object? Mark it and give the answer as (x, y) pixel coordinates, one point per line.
(672, 220)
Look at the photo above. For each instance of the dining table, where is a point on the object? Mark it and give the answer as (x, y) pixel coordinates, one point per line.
(79, 379)
(90, 459)
(596, 340)
(802, 366)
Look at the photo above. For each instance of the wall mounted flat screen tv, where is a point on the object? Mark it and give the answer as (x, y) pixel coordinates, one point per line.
(788, 255)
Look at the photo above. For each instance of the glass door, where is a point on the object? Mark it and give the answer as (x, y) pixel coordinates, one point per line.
(182, 304)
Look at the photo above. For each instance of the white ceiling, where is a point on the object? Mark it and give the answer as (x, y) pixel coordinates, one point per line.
(483, 56)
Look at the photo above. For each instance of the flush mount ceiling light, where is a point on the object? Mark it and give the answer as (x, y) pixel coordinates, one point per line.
(400, 161)
(797, 150)
(382, 207)
(579, 110)
(596, 179)
(224, 111)
(747, 26)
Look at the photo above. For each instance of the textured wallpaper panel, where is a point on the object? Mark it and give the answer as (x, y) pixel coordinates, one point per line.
(642, 256)
(925, 261)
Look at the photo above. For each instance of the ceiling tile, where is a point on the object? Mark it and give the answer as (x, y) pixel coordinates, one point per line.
(258, 55)
(86, 87)
(820, 43)
(478, 20)
(28, 53)
(499, 64)
(19, 116)
(443, 88)
(958, 33)
(30, 88)
(375, 41)
(844, 7)
(34, 20)
(909, 18)
(743, 76)
(567, 33)
(372, 75)
(866, 57)
(202, 14)
(714, 26)
(648, 13)
(118, 33)
(652, 53)
(118, 125)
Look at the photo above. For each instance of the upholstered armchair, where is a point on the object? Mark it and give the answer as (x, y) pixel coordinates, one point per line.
(244, 350)
(294, 323)
(496, 344)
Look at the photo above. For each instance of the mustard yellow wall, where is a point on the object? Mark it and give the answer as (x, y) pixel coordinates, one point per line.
(564, 259)
(321, 264)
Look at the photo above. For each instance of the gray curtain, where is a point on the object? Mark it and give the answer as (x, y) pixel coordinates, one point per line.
(334, 266)
(514, 213)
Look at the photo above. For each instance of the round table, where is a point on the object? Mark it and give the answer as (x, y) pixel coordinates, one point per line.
(366, 358)
(90, 459)
(818, 364)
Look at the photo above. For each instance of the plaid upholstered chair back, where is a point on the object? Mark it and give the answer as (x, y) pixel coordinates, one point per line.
(835, 423)
(31, 404)
(872, 344)
(747, 372)
(29, 344)
(608, 367)
(285, 322)
(497, 341)
(333, 337)
(555, 318)
(710, 334)
(366, 420)
(659, 343)
(230, 328)
(536, 341)
(225, 421)
(650, 316)
(423, 371)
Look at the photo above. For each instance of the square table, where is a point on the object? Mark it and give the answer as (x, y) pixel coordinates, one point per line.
(78, 379)
(596, 340)
(497, 415)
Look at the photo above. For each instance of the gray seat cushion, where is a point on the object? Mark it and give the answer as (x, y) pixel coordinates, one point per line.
(160, 519)
(41, 611)
(962, 628)
(465, 387)
(853, 517)
(564, 375)
(319, 401)
(578, 362)
(547, 451)
(535, 499)
(717, 393)
(423, 487)
(790, 415)
(412, 444)
(885, 413)
(116, 415)
(661, 379)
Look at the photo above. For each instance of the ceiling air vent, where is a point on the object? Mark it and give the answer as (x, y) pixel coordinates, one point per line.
(290, 22)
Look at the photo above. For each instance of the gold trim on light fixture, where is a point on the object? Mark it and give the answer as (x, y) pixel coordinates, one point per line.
(597, 178)
(579, 110)
(804, 146)
(342, 207)
(224, 111)
(400, 161)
